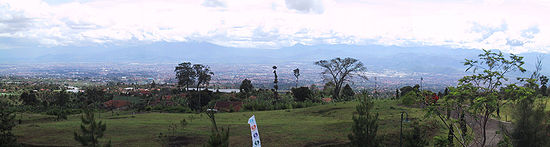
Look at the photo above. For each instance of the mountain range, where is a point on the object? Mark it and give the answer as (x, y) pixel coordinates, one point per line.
(430, 59)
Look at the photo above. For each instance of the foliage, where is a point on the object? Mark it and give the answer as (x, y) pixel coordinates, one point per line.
(365, 125)
(198, 99)
(7, 123)
(529, 124)
(440, 141)
(543, 89)
(489, 72)
(218, 137)
(301, 94)
(185, 74)
(347, 93)
(339, 70)
(29, 98)
(61, 98)
(410, 98)
(417, 137)
(59, 112)
(246, 86)
(90, 130)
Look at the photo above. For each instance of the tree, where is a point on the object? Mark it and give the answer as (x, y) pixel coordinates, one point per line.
(301, 94)
(365, 125)
(339, 71)
(29, 98)
(396, 93)
(494, 68)
(153, 84)
(296, 74)
(529, 124)
(275, 81)
(246, 86)
(7, 122)
(543, 89)
(185, 73)
(204, 75)
(90, 130)
(347, 92)
(61, 98)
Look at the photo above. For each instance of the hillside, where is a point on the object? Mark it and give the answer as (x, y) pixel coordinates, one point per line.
(327, 124)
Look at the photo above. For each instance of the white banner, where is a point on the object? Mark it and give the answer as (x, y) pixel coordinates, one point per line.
(254, 132)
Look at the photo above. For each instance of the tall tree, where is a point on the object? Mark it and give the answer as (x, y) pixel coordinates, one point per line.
(543, 89)
(489, 73)
(296, 74)
(185, 73)
(246, 86)
(90, 130)
(275, 81)
(204, 75)
(340, 70)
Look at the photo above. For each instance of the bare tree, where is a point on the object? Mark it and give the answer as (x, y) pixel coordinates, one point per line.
(340, 70)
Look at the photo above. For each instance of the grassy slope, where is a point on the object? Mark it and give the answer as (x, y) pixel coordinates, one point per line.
(325, 124)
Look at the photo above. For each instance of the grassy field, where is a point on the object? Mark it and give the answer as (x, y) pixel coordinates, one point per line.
(314, 126)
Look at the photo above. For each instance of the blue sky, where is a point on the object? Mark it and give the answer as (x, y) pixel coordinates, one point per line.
(513, 26)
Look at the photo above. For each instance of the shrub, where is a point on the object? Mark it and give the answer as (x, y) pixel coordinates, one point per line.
(365, 125)
(301, 94)
(409, 98)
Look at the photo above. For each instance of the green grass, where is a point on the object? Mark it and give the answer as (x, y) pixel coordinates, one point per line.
(318, 125)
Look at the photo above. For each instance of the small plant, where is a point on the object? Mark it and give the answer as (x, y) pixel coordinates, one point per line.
(163, 139)
(183, 124)
(218, 138)
(90, 130)
(173, 127)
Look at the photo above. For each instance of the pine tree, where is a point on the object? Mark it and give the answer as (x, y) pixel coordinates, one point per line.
(365, 125)
(90, 130)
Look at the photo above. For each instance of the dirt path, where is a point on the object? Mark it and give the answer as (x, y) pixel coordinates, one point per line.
(493, 126)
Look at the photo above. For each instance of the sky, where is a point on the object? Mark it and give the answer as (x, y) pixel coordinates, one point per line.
(516, 26)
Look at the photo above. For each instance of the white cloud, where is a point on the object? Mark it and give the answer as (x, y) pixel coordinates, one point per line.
(514, 26)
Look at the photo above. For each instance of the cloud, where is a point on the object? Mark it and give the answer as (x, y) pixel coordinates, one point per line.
(513, 26)
(213, 3)
(305, 6)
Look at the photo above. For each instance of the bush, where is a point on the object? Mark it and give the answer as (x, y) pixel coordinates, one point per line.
(409, 98)
(176, 109)
(365, 125)
(301, 94)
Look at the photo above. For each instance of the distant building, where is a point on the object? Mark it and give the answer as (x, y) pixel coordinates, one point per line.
(73, 89)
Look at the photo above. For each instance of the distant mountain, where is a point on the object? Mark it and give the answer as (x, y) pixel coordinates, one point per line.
(430, 59)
